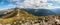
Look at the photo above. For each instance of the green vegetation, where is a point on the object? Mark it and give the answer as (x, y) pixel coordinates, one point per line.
(20, 14)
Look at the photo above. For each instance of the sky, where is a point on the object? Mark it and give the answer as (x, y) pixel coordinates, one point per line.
(35, 4)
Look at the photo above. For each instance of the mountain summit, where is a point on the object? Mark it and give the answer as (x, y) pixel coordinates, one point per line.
(17, 12)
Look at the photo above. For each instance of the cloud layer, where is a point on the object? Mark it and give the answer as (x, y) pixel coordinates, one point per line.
(36, 4)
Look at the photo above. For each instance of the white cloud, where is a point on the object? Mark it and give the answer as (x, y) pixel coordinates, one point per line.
(58, 1)
(36, 4)
(53, 7)
(31, 3)
(13, 0)
(44, 0)
(11, 6)
(55, 0)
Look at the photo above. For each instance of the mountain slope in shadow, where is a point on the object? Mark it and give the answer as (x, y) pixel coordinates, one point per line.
(40, 12)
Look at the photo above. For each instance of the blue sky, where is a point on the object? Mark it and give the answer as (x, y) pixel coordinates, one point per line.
(4, 4)
(36, 4)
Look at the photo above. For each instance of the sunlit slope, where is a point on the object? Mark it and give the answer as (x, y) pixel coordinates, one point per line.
(17, 14)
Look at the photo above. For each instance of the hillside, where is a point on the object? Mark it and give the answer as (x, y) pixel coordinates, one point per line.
(16, 14)
(19, 15)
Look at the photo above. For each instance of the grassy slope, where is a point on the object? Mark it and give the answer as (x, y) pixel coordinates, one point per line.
(13, 17)
(10, 18)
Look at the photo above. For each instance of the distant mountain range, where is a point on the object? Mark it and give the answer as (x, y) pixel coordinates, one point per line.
(37, 12)
(57, 11)
(40, 12)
